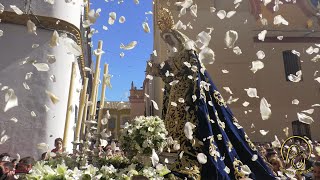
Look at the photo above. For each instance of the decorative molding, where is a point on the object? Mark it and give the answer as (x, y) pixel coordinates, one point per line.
(46, 23)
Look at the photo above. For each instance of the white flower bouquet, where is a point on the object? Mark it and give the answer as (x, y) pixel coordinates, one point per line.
(143, 135)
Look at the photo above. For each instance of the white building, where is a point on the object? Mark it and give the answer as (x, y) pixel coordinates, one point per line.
(16, 46)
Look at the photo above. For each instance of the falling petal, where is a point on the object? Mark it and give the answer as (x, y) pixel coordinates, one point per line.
(72, 47)
(280, 37)
(174, 104)
(257, 65)
(286, 131)
(263, 132)
(105, 28)
(237, 50)
(207, 56)
(11, 100)
(309, 111)
(33, 114)
(130, 46)
(4, 139)
(122, 19)
(224, 71)
(295, 101)
(41, 66)
(304, 118)
(228, 90)
(266, 2)
(227, 170)
(317, 79)
(295, 52)
(154, 158)
(49, 1)
(136, 1)
(46, 108)
(155, 105)
(180, 25)
(26, 86)
(316, 58)
(315, 105)
(277, 20)
(265, 110)
(1, 33)
(202, 158)
(16, 9)
(260, 54)
(194, 10)
(53, 78)
(222, 14)
(35, 45)
(204, 38)
(245, 104)
(112, 18)
(262, 35)
(98, 52)
(232, 100)
(276, 143)
(121, 54)
(15, 120)
(230, 14)
(54, 39)
(295, 78)
(32, 28)
(188, 130)
(54, 99)
(145, 27)
(230, 38)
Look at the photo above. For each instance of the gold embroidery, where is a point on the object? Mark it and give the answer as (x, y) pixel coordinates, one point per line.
(237, 169)
(251, 145)
(219, 99)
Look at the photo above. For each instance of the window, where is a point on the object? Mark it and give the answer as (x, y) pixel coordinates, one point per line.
(112, 123)
(291, 62)
(301, 129)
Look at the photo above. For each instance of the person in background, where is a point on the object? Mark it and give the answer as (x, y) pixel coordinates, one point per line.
(8, 170)
(58, 146)
(276, 165)
(25, 165)
(4, 157)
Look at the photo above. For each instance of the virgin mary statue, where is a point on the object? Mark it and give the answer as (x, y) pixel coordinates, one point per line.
(213, 146)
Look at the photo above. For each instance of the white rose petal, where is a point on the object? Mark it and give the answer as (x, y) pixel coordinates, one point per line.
(277, 20)
(188, 130)
(295, 101)
(257, 65)
(212, 10)
(266, 2)
(224, 71)
(228, 90)
(304, 118)
(103, 142)
(296, 77)
(32, 28)
(232, 100)
(105, 28)
(54, 39)
(35, 46)
(11, 100)
(222, 14)
(262, 35)
(265, 110)
(286, 131)
(4, 139)
(130, 46)
(204, 38)
(207, 56)
(1, 33)
(181, 100)
(16, 9)
(174, 104)
(315, 105)
(237, 50)
(317, 79)
(295, 52)
(112, 18)
(184, 5)
(155, 105)
(149, 77)
(260, 54)
(146, 27)
(122, 19)
(41, 66)
(154, 158)
(43, 146)
(230, 38)
(194, 98)
(46, 108)
(33, 114)
(26, 86)
(309, 111)
(264, 132)
(54, 99)
(230, 14)
(254, 157)
(280, 37)
(49, 1)
(252, 92)
(245, 104)
(194, 10)
(15, 120)
(276, 143)
(51, 59)
(316, 58)
(136, 1)
(202, 158)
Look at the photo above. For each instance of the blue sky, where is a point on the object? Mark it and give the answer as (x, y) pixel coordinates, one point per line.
(132, 66)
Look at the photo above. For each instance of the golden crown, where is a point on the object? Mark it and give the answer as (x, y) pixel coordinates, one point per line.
(165, 19)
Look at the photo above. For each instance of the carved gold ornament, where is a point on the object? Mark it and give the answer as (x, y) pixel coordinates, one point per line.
(165, 20)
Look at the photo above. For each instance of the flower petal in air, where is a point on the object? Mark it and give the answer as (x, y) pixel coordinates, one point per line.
(230, 38)
(130, 46)
(304, 118)
(207, 56)
(11, 100)
(16, 9)
(257, 65)
(265, 110)
(202, 158)
(222, 14)
(145, 27)
(32, 28)
(41, 66)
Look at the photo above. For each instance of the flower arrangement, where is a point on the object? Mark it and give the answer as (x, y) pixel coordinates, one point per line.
(143, 135)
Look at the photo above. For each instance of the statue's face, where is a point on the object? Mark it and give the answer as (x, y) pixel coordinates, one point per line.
(172, 41)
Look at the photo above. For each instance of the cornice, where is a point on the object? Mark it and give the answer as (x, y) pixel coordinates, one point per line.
(47, 23)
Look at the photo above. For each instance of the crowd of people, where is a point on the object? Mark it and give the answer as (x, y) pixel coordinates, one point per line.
(10, 167)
